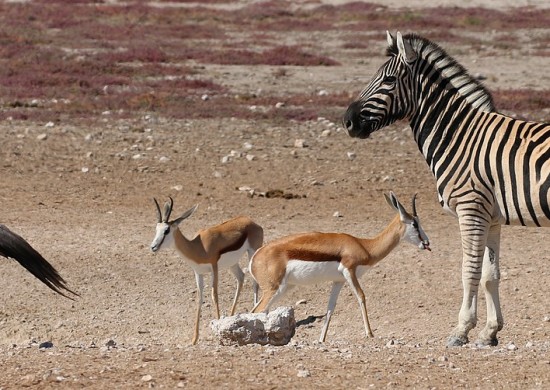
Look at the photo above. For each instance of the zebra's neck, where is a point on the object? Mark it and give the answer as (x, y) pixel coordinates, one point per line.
(446, 97)
(435, 66)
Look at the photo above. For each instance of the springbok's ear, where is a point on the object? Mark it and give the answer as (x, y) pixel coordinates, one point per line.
(390, 39)
(187, 214)
(405, 49)
(392, 200)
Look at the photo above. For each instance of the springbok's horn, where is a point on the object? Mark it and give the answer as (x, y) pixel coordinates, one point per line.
(168, 209)
(159, 214)
(414, 206)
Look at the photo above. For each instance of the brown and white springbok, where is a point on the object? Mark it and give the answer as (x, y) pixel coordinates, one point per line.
(218, 247)
(310, 258)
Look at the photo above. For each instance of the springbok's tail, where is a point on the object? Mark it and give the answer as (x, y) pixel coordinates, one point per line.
(255, 287)
(14, 246)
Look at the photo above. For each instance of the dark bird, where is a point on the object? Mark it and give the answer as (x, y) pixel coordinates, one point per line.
(14, 246)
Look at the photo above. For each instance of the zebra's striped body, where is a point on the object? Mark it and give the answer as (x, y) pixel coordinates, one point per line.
(490, 169)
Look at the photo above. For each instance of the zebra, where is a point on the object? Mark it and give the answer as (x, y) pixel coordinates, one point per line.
(490, 169)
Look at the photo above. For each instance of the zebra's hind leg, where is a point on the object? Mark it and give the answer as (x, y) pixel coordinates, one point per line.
(490, 278)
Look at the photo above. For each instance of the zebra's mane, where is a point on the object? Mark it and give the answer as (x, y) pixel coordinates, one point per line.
(473, 91)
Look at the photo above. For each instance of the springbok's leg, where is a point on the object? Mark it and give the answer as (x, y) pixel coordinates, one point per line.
(264, 300)
(200, 287)
(239, 275)
(336, 287)
(270, 297)
(351, 278)
(490, 278)
(474, 226)
(215, 289)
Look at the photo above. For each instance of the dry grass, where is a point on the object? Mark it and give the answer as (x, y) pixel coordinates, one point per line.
(75, 59)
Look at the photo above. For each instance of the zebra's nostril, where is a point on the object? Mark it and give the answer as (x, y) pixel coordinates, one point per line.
(348, 124)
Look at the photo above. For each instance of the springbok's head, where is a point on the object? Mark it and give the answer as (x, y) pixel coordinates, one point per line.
(164, 236)
(388, 96)
(413, 231)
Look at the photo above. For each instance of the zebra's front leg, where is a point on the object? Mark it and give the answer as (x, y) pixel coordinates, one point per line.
(473, 229)
(490, 278)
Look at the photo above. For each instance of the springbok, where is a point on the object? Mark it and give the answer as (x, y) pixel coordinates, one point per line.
(218, 247)
(309, 258)
(14, 246)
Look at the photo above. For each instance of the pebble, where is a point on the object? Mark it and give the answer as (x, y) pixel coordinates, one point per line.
(42, 137)
(351, 155)
(300, 143)
(45, 345)
(147, 378)
(303, 374)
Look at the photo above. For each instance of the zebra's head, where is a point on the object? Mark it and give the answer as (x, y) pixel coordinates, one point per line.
(387, 98)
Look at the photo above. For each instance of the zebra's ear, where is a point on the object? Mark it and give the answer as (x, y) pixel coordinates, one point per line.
(390, 38)
(405, 49)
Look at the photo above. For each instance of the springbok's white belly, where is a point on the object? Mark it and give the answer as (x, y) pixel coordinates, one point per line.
(300, 272)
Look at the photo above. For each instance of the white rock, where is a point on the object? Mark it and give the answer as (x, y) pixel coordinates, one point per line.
(250, 157)
(42, 137)
(276, 328)
(49, 124)
(147, 378)
(337, 214)
(205, 97)
(85, 169)
(279, 105)
(351, 155)
(164, 159)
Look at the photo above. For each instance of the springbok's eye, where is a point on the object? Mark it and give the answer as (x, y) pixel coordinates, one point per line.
(167, 231)
(415, 224)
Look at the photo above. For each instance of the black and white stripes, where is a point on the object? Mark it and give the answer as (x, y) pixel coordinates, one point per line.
(490, 169)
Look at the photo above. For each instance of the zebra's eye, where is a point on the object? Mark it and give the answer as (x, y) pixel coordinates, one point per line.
(390, 80)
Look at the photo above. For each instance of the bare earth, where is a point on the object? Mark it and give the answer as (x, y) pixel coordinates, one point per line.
(82, 195)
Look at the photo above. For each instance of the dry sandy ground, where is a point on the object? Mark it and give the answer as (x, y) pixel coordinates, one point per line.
(82, 196)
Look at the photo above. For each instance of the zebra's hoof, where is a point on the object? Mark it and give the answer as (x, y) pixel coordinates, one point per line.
(492, 342)
(455, 341)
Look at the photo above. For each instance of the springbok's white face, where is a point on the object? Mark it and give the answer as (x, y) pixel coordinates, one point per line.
(164, 237)
(164, 234)
(413, 230)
